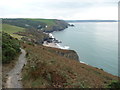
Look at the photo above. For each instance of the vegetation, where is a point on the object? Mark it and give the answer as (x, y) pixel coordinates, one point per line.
(34, 36)
(30, 35)
(12, 30)
(47, 69)
(0, 47)
(114, 84)
(10, 48)
(24, 23)
(49, 22)
(52, 24)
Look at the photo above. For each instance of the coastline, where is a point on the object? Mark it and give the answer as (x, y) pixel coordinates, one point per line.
(57, 45)
(50, 44)
(54, 44)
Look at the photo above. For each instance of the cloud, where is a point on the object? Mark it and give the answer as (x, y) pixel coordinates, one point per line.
(61, 9)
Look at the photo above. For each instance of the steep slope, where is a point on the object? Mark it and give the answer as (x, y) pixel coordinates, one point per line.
(47, 69)
(33, 36)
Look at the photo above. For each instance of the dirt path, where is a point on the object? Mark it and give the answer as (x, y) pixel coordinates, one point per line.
(14, 76)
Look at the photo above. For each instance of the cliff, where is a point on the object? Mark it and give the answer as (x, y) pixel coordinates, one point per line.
(71, 54)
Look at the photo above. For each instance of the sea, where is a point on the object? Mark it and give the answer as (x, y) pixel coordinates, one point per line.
(96, 43)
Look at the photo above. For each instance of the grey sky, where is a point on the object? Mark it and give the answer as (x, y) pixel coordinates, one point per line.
(60, 9)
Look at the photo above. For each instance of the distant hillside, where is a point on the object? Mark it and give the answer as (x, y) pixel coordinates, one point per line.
(52, 24)
(31, 30)
(48, 22)
(91, 20)
(45, 25)
(26, 34)
(24, 23)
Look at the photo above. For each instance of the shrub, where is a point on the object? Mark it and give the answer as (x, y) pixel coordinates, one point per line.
(114, 84)
(10, 48)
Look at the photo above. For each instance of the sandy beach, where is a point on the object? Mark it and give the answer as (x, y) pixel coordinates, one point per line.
(54, 44)
(50, 44)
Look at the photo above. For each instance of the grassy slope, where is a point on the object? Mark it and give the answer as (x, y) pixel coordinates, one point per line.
(47, 69)
(49, 22)
(10, 29)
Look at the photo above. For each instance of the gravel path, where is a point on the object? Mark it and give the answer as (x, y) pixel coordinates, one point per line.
(14, 76)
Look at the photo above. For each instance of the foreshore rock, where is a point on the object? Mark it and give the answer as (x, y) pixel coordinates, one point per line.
(71, 25)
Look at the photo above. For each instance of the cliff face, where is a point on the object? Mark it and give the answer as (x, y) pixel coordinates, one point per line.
(71, 54)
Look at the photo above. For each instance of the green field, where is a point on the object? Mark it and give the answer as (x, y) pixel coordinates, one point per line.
(10, 29)
(46, 21)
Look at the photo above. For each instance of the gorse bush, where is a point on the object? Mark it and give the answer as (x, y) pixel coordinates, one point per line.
(10, 48)
(114, 84)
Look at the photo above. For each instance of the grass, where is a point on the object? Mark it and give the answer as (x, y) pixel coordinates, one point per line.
(10, 29)
(49, 22)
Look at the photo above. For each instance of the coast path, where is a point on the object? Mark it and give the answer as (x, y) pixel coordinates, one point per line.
(14, 76)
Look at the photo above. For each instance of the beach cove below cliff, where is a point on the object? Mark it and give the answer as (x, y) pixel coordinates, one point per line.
(53, 43)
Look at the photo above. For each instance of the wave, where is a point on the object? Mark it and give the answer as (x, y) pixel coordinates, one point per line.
(59, 46)
(50, 35)
(83, 62)
(63, 47)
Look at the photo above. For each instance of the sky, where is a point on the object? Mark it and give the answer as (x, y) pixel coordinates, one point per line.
(60, 9)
